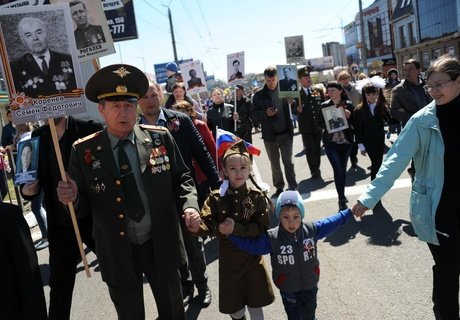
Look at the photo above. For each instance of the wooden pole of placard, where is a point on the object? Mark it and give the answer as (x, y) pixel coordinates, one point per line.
(235, 110)
(70, 204)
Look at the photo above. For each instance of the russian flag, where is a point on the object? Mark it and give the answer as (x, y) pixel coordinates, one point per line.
(225, 139)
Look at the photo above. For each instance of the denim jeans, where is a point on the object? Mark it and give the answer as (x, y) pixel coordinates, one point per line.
(300, 305)
(338, 157)
(40, 214)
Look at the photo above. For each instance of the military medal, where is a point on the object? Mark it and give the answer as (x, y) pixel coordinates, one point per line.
(167, 166)
(157, 142)
(96, 164)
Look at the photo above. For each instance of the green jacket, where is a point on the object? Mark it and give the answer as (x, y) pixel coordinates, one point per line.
(169, 193)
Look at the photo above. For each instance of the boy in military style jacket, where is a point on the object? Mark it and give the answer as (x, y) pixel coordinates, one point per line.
(293, 250)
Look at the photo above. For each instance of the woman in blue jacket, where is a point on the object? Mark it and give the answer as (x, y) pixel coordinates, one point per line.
(430, 138)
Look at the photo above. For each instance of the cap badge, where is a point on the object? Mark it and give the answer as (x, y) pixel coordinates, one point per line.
(122, 72)
(121, 89)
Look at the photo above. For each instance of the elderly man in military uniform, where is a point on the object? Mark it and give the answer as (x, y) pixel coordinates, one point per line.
(309, 118)
(86, 34)
(138, 187)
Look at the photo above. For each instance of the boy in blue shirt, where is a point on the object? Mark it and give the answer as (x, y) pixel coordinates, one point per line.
(292, 246)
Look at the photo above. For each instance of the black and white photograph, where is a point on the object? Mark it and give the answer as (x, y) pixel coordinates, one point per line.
(27, 161)
(92, 34)
(40, 62)
(193, 75)
(235, 68)
(294, 49)
(287, 81)
(335, 119)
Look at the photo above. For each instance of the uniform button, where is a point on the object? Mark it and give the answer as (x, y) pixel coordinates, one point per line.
(236, 201)
(117, 182)
(236, 192)
(122, 234)
(121, 216)
(118, 199)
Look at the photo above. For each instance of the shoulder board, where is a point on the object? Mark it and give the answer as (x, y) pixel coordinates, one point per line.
(215, 192)
(253, 189)
(91, 136)
(152, 128)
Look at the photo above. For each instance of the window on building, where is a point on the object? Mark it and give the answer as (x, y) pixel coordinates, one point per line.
(450, 50)
(425, 60)
(436, 53)
(410, 27)
(402, 38)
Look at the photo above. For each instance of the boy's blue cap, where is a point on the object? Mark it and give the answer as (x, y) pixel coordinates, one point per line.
(171, 66)
(292, 198)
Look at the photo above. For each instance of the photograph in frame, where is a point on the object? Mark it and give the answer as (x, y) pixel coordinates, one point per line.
(287, 81)
(193, 75)
(335, 119)
(40, 63)
(92, 34)
(294, 49)
(27, 161)
(22, 3)
(235, 68)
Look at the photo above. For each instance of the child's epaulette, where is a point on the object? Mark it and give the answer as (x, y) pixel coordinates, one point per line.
(89, 137)
(152, 128)
(254, 189)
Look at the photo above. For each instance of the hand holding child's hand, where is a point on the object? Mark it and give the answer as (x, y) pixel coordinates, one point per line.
(226, 227)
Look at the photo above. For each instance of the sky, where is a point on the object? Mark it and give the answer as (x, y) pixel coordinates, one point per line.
(209, 30)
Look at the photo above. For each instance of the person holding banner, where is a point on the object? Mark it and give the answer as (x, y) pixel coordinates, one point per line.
(277, 130)
(41, 71)
(243, 107)
(63, 249)
(134, 181)
(220, 114)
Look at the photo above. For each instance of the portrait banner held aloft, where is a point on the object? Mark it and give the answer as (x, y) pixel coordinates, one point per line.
(27, 161)
(40, 64)
(120, 19)
(294, 49)
(287, 81)
(235, 71)
(193, 75)
(92, 33)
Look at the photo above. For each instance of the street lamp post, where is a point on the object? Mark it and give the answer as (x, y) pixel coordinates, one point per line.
(363, 40)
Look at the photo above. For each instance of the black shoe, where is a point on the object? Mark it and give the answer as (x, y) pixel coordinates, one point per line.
(204, 297)
(277, 193)
(343, 204)
(187, 293)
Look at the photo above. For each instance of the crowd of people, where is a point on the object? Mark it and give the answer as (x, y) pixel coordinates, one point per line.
(144, 179)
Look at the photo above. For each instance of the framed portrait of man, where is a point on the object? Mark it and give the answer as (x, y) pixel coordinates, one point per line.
(92, 33)
(27, 161)
(235, 68)
(40, 62)
(335, 119)
(193, 75)
(287, 81)
(294, 49)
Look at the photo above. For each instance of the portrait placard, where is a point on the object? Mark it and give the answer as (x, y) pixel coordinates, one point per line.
(193, 75)
(235, 68)
(335, 119)
(21, 3)
(287, 81)
(27, 161)
(120, 19)
(294, 49)
(92, 34)
(38, 55)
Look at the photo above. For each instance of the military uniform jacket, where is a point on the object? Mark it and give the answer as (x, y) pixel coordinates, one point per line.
(30, 79)
(93, 166)
(248, 207)
(89, 36)
(310, 118)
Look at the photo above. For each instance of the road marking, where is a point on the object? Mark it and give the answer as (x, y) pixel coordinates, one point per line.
(332, 193)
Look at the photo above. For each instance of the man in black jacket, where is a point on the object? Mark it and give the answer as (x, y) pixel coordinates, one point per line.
(243, 108)
(309, 115)
(190, 145)
(21, 297)
(277, 130)
(64, 254)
